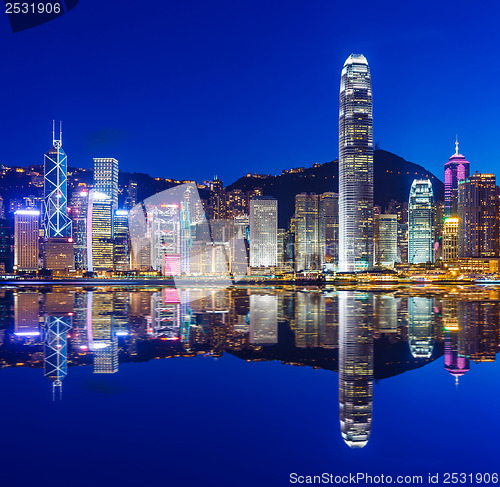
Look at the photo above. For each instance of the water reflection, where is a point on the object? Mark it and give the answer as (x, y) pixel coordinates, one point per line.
(364, 335)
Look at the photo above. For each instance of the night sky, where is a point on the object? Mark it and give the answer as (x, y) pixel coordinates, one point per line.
(189, 89)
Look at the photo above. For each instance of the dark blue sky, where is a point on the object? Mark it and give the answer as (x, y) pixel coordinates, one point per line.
(190, 88)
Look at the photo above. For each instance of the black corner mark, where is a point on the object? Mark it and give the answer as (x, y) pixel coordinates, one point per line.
(27, 14)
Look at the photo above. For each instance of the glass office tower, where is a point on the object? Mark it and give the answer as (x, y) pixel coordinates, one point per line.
(478, 216)
(106, 178)
(56, 222)
(421, 222)
(355, 166)
(263, 232)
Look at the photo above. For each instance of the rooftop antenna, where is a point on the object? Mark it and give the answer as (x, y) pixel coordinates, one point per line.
(456, 144)
(56, 142)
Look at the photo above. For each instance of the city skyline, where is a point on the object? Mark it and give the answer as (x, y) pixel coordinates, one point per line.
(260, 251)
(198, 121)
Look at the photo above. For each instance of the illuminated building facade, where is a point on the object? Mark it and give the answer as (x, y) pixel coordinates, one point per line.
(355, 166)
(421, 222)
(131, 199)
(106, 178)
(329, 227)
(450, 239)
(307, 232)
(456, 169)
(478, 216)
(59, 254)
(121, 261)
(263, 232)
(56, 222)
(26, 236)
(99, 232)
(78, 213)
(164, 224)
(386, 240)
(217, 208)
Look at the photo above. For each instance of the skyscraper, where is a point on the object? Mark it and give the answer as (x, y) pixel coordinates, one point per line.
(450, 239)
(26, 233)
(386, 239)
(329, 224)
(131, 199)
(56, 222)
(307, 232)
(106, 178)
(121, 261)
(263, 232)
(164, 221)
(99, 232)
(355, 166)
(217, 208)
(455, 170)
(78, 212)
(421, 222)
(5, 245)
(478, 216)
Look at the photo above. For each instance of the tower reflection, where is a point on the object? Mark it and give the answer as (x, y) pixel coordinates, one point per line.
(355, 366)
(363, 334)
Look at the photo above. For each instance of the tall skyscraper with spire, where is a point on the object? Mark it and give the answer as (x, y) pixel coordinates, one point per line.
(355, 166)
(455, 170)
(56, 222)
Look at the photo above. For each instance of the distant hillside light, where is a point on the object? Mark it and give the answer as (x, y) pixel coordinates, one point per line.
(355, 166)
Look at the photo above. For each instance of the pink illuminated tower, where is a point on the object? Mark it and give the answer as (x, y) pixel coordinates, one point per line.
(455, 170)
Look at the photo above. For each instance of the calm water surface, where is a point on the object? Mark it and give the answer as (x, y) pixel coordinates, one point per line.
(244, 386)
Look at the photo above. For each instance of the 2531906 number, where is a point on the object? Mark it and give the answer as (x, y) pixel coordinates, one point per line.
(32, 8)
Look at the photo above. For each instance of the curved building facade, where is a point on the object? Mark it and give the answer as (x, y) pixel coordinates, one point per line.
(355, 166)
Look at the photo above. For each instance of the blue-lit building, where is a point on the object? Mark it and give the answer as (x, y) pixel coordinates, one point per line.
(56, 222)
(106, 178)
(421, 222)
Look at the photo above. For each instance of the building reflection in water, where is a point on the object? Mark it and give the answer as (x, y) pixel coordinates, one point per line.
(263, 318)
(102, 338)
(58, 318)
(364, 335)
(421, 326)
(355, 366)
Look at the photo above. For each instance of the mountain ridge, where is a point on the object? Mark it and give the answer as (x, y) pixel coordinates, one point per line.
(392, 176)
